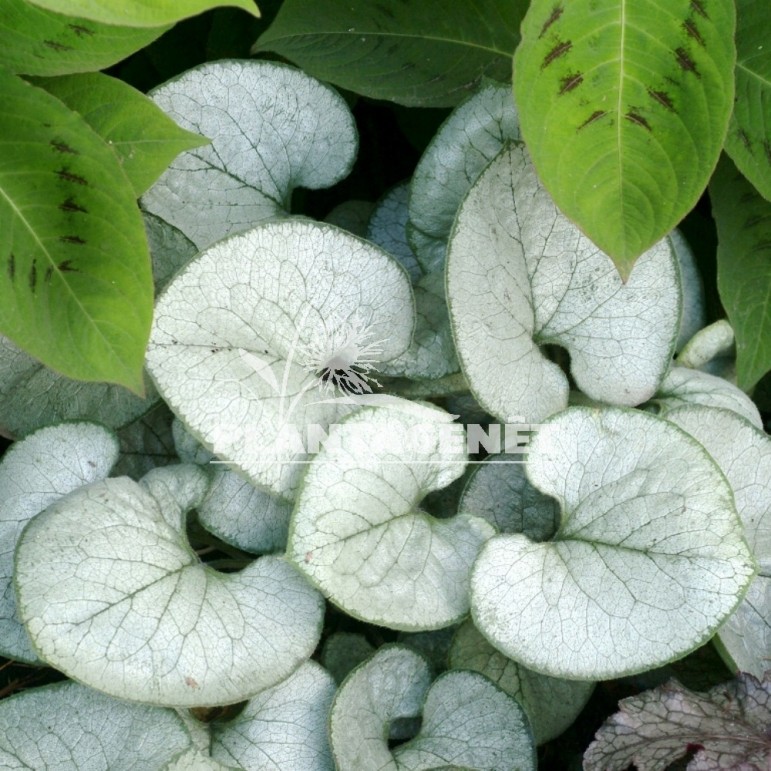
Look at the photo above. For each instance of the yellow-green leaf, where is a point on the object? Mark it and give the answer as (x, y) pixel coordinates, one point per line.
(624, 106)
(34, 41)
(145, 139)
(140, 13)
(75, 277)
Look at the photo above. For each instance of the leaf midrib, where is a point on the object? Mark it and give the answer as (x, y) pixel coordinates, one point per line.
(52, 264)
(378, 33)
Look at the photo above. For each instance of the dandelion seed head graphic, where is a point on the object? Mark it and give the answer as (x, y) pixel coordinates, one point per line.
(343, 357)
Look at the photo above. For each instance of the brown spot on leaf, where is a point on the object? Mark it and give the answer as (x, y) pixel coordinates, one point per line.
(191, 682)
(68, 176)
(11, 266)
(49, 273)
(698, 6)
(744, 138)
(686, 63)
(756, 220)
(72, 240)
(80, 30)
(555, 14)
(767, 149)
(56, 46)
(62, 147)
(569, 82)
(33, 276)
(70, 206)
(308, 557)
(692, 30)
(595, 116)
(663, 98)
(637, 119)
(66, 267)
(559, 50)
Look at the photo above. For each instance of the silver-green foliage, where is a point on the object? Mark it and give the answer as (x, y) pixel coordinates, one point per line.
(585, 558)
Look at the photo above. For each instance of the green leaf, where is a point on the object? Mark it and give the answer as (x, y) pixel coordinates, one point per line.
(744, 268)
(359, 533)
(520, 275)
(632, 579)
(34, 41)
(141, 13)
(343, 651)
(76, 286)
(33, 474)
(624, 107)
(112, 594)
(467, 721)
(428, 54)
(551, 704)
(352, 216)
(749, 133)
(300, 706)
(33, 396)
(272, 129)
(71, 727)
(244, 376)
(743, 452)
(144, 138)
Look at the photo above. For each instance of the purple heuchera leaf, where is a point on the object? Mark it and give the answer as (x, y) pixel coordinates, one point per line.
(729, 727)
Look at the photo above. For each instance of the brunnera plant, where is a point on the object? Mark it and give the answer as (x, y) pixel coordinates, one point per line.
(409, 484)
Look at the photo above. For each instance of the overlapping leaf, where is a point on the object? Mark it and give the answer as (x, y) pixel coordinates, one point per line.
(144, 138)
(744, 268)
(426, 55)
(632, 578)
(749, 133)
(41, 42)
(358, 530)
(76, 289)
(244, 331)
(682, 387)
(240, 514)
(271, 128)
(33, 474)
(624, 108)
(743, 453)
(141, 13)
(71, 727)
(475, 132)
(550, 704)
(521, 275)
(467, 721)
(283, 727)
(112, 594)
